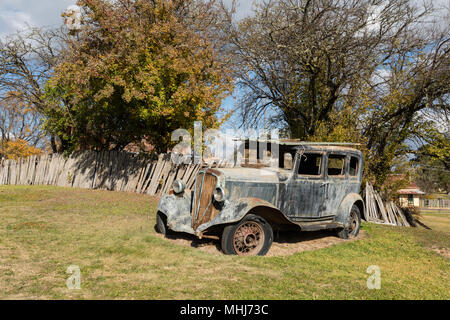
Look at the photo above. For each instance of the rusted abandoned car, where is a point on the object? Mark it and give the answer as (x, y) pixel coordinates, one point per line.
(244, 206)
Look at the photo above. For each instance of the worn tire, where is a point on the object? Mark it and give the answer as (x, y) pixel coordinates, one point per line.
(161, 224)
(232, 234)
(354, 222)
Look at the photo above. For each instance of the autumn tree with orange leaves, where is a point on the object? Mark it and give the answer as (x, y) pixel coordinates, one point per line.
(138, 69)
(20, 127)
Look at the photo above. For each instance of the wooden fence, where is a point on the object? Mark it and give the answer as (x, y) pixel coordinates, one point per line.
(437, 203)
(110, 170)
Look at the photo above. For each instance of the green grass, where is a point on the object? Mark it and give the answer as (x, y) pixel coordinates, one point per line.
(437, 221)
(110, 236)
(435, 211)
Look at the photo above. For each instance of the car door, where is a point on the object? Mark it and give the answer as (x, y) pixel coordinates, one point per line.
(305, 192)
(337, 184)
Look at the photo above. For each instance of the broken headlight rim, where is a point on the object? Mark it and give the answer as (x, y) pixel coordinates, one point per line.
(178, 186)
(219, 195)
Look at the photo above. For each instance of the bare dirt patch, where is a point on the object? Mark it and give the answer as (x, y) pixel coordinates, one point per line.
(445, 252)
(285, 244)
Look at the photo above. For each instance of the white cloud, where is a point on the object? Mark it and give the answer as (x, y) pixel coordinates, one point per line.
(380, 78)
(373, 22)
(18, 20)
(16, 14)
(11, 21)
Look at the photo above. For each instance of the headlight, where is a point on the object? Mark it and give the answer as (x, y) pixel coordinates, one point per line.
(219, 195)
(178, 186)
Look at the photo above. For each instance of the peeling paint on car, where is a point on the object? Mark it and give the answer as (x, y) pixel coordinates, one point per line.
(310, 201)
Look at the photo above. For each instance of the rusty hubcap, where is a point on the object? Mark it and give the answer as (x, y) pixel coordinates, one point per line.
(248, 239)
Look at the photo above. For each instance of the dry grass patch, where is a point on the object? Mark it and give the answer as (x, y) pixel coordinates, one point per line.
(111, 237)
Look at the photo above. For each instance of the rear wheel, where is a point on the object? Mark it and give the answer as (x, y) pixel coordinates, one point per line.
(352, 225)
(251, 236)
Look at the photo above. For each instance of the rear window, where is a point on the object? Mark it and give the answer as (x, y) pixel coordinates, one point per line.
(336, 165)
(310, 164)
(353, 168)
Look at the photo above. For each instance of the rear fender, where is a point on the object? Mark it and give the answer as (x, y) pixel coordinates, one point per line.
(346, 206)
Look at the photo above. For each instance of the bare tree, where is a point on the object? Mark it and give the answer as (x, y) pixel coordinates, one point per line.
(27, 60)
(412, 102)
(302, 57)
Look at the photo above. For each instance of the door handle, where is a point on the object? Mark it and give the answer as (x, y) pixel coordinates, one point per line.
(325, 184)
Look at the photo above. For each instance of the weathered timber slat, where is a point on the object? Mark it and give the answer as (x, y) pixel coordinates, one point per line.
(380, 212)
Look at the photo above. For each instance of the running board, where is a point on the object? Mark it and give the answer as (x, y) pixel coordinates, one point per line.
(313, 219)
(313, 226)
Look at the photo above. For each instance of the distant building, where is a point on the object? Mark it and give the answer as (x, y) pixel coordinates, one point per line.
(411, 196)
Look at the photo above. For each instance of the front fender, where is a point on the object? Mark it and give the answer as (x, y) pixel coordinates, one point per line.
(234, 211)
(344, 209)
(177, 209)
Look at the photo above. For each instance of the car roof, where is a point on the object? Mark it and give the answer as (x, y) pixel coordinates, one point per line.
(332, 148)
(308, 145)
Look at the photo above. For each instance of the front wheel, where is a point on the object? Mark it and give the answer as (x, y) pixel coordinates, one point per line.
(251, 236)
(161, 224)
(352, 225)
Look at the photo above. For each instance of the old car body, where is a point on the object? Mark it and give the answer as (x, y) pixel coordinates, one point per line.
(319, 191)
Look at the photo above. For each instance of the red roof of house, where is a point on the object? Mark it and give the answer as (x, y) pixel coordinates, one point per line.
(410, 191)
(411, 188)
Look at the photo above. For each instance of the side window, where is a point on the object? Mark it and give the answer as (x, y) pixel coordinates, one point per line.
(336, 164)
(310, 164)
(354, 165)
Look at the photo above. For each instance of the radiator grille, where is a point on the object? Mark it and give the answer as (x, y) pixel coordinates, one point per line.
(203, 209)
